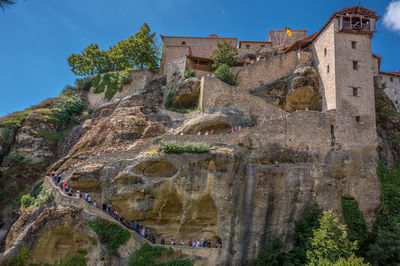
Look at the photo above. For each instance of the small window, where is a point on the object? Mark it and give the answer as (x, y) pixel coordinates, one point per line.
(358, 118)
(355, 91)
(327, 69)
(355, 65)
(397, 102)
(248, 46)
(325, 51)
(262, 45)
(183, 43)
(353, 44)
(391, 79)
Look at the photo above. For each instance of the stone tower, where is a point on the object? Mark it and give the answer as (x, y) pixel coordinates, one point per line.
(343, 56)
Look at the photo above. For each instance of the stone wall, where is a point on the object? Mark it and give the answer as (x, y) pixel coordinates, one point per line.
(171, 53)
(392, 89)
(140, 78)
(176, 69)
(350, 105)
(269, 70)
(324, 56)
(280, 37)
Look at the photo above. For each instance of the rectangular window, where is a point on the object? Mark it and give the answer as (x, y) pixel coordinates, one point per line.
(391, 79)
(262, 45)
(325, 51)
(397, 102)
(248, 46)
(327, 69)
(358, 118)
(355, 65)
(355, 91)
(353, 44)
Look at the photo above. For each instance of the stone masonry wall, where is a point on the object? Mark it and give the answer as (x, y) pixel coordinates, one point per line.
(392, 89)
(321, 61)
(350, 132)
(267, 71)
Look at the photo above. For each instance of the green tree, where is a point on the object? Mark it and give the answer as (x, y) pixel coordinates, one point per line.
(329, 242)
(6, 3)
(273, 254)
(143, 49)
(303, 232)
(91, 61)
(224, 73)
(226, 53)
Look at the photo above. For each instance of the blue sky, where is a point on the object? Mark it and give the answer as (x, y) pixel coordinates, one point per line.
(37, 36)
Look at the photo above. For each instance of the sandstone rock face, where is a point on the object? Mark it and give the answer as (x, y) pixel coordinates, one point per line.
(297, 91)
(187, 94)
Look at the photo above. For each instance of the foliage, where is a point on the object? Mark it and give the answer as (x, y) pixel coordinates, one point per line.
(226, 54)
(77, 260)
(21, 259)
(111, 234)
(157, 256)
(329, 242)
(66, 108)
(173, 147)
(354, 218)
(84, 83)
(351, 261)
(384, 248)
(37, 188)
(189, 73)
(110, 83)
(12, 158)
(27, 201)
(303, 233)
(45, 195)
(90, 61)
(143, 49)
(273, 254)
(6, 3)
(224, 73)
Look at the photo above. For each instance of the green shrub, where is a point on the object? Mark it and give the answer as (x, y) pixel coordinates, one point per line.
(111, 83)
(84, 83)
(67, 107)
(68, 90)
(189, 73)
(124, 77)
(27, 201)
(303, 231)
(354, 218)
(77, 260)
(224, 73)
(12, 158)
(37, 188)
(173, 147)
(157, 256)
(272, 254)
(111, 234)
(45, 196)
(21, 259)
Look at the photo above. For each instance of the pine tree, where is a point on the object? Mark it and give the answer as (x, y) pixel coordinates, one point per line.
(143, 49)
(329, 242)
(226, 53)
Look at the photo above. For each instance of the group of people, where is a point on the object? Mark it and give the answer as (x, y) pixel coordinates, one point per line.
(135, 226)
(194, 244)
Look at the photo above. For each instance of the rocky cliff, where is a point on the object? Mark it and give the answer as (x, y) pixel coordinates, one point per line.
(252, 184)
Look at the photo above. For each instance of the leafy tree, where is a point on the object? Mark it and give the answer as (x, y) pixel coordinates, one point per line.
(351, 261)
(273, 254)
(142, 49)
(91, 61)
(226, 53)
(6, 3)
(224, 73)
(329, 242)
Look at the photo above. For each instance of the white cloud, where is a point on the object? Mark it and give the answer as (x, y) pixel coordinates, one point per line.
(391, 19)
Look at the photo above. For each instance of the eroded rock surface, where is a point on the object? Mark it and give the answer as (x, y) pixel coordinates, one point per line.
(187, 94)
